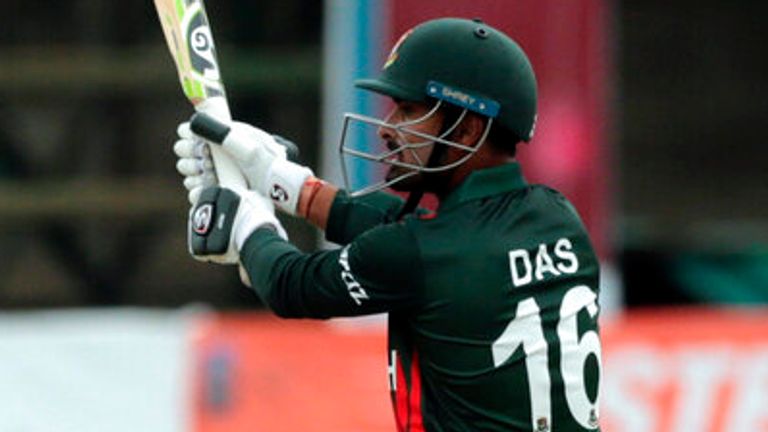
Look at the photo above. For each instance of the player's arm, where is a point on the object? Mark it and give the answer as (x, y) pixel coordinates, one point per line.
(379, 271)
(292, 187)
(342, 217)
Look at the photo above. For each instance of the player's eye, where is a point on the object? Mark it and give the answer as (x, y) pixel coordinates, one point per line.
(408, 109)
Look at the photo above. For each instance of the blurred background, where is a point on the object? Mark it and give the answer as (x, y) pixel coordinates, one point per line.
(651, 123)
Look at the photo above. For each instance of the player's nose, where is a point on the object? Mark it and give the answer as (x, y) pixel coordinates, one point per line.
(385, 130)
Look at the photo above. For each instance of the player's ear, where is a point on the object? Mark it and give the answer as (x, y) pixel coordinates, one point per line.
(470, 130)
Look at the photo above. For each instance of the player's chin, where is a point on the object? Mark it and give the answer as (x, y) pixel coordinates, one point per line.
(407, 184)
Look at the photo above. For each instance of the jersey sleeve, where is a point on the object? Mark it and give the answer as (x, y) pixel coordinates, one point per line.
(351, 217)
(377, 272)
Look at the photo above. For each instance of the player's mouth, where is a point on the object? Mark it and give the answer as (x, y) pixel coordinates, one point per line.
(392, 146)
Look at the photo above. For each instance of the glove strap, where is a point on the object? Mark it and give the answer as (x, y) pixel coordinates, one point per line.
(283, 184)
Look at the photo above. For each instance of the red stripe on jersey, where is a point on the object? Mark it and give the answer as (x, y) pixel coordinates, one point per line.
(417, 421)
(400, 397)
(407, 399)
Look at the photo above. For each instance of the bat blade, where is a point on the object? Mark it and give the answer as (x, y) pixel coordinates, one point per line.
(190, 42)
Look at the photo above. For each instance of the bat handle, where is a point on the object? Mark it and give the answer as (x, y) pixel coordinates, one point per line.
(216, 131)
(226, 168)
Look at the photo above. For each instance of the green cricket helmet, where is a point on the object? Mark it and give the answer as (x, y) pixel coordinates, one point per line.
(458, 62)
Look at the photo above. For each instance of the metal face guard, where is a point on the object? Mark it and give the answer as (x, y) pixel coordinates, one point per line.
(389, 157)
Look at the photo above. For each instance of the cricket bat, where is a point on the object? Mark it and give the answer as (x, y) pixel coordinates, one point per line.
(190, 41)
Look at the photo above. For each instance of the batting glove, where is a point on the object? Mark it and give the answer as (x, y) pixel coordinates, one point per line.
(194, 163)
(222, 221)
(261, 158)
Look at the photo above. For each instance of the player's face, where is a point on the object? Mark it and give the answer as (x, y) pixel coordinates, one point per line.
(408, 112)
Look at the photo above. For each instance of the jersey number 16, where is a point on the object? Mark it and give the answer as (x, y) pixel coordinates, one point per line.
(526, 330)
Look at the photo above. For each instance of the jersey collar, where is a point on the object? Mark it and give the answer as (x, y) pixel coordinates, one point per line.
(484, 183)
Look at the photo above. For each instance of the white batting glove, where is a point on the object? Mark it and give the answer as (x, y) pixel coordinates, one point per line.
(195, 163)
(263, 163)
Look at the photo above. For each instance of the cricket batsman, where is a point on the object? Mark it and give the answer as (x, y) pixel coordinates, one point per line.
(492, 299)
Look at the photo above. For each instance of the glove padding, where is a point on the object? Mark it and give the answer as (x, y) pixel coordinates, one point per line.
(223, 219)
(261, 158)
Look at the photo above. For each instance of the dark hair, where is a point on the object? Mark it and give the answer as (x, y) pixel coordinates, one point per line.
(503, 139)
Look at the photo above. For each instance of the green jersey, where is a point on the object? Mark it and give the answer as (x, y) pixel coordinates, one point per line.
(492, 301)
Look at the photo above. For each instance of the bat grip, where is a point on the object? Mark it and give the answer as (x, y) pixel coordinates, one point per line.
(209, 128)
(213, 130)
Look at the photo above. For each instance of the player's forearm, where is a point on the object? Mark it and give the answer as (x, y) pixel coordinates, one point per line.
(315, 201)
(267, 261)
(315, 285)
(349, 217)
(342, 217)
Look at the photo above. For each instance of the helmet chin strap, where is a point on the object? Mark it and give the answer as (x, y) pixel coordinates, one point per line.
(415, 196)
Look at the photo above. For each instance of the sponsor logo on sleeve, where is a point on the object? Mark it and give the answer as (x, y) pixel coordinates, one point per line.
(356, 291)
